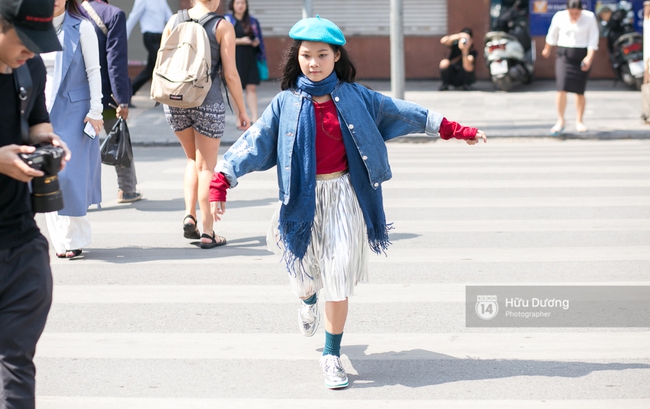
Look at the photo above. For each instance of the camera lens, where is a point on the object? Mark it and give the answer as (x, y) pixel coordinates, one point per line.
(46, 195)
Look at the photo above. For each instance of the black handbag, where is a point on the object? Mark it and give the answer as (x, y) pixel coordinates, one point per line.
(116, 148)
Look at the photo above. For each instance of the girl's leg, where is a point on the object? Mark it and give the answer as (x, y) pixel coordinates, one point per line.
(190, 180)
(336, 313)
(251, 100)
(207, 150)
(581, 103)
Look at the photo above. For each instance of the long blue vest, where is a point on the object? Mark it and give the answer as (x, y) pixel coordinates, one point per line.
(81, 179)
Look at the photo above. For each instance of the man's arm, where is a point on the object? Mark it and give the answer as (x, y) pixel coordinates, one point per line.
(117, 59)
(14, 167)
(134, 16)
(449, 40)
(468, 58)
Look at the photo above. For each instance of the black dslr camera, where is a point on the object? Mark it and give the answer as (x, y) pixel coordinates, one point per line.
(46, 195)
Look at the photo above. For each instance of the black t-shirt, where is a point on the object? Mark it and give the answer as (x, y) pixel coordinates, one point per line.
(17, 224)
(455, 52)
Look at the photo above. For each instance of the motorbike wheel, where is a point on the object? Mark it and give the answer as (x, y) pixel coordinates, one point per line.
(529, 78)
(503, 84)
(629, 79)
(638, 82)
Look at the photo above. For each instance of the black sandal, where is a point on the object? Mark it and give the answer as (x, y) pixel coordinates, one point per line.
(189, 230)
(69, 254)
(214, 243)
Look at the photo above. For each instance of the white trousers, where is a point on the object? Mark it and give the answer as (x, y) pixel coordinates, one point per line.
(68, 233)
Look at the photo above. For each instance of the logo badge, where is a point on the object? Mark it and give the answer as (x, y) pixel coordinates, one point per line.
(487, 306)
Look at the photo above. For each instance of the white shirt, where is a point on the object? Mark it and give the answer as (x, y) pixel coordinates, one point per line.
(152, 15)
(583, 34)
(90, 52)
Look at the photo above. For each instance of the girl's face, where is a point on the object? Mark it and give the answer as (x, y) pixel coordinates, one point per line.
(239, 6)
(317, 60)
(59, 7)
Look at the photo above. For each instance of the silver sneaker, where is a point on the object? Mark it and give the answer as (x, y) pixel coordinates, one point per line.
(308, 318)
(335, 376)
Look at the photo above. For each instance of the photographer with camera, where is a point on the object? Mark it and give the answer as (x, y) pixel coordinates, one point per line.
(25, 277)
(458, 68)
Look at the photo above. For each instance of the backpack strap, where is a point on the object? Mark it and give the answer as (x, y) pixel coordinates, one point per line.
(23, 81)
(208, 17)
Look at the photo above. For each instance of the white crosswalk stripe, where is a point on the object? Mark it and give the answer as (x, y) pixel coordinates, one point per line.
(146, 320)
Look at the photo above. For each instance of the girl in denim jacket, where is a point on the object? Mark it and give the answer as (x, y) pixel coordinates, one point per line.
(326, 134)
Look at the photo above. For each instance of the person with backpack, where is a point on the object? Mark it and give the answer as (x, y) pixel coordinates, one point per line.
(201, 123)
(327, 135)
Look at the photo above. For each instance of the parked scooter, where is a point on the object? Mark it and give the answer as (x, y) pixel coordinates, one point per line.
(625, 47)
(509, 49)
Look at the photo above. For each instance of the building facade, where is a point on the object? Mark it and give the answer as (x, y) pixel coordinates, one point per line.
(366, 24)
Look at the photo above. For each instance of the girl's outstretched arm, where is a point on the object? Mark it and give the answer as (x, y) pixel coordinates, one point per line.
(450, 129)
(218, 191)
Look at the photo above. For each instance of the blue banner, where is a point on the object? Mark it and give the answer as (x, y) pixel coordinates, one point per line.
(542, 11)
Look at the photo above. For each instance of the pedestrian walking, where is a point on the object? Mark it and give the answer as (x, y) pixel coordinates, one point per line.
(110, 27)
(326, 134)
(200, 129)
(152, 16)
(249, 50)
(575, 32)
(73, 93)
(25, 276)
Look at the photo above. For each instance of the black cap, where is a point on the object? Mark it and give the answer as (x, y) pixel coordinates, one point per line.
(32, 20)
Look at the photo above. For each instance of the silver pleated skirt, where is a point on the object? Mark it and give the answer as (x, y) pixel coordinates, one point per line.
(337, 256)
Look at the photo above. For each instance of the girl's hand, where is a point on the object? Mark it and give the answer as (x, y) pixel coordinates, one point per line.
(479, 135)
(546, 52)
(243, 121)
(217, 209)
(585, 65)
(96, 123)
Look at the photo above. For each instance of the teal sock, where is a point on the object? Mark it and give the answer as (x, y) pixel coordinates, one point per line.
(311, 300)
(332, 344)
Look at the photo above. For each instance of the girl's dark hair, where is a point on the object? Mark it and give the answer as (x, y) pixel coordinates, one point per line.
(574, 4)
(72, 7)
(344, 67)
(246, 19)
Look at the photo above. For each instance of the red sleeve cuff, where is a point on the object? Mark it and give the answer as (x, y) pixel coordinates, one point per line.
(449, 129)
(218, 187)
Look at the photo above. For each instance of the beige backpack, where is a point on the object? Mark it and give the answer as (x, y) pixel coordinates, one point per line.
(183, 75)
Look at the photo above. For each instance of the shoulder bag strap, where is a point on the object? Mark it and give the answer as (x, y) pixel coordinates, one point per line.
(23, 81)
(93, 14)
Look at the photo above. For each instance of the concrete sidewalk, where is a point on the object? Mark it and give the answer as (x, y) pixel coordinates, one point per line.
(527, 111)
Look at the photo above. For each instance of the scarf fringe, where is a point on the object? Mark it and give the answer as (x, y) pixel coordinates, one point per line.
(378, 238)
(295, 237)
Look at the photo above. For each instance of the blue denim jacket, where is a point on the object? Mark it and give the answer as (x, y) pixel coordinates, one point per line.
(372, 118)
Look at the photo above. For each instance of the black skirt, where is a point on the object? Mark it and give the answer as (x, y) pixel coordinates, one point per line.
(569, 76)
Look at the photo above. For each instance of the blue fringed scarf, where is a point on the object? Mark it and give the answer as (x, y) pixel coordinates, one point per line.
(297, 216)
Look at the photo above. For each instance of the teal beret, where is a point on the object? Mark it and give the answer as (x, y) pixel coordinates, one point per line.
(317, 29)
